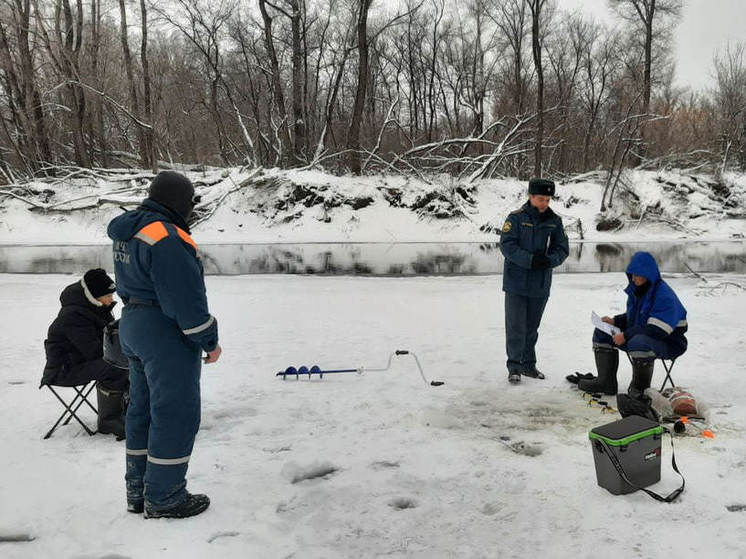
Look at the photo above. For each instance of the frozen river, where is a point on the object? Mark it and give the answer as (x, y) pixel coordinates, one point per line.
(384, 259)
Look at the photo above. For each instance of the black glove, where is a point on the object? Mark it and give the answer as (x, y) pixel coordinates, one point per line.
(540, 261)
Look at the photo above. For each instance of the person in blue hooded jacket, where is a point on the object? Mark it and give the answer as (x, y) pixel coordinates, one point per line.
(654, 326)
(165, 327)
(533, 242)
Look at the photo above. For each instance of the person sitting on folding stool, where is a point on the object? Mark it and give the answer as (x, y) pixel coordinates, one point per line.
(653, 327)
(74, 347)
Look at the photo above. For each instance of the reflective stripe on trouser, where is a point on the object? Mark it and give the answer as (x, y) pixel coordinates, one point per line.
(643, 346)
(164, 412)
(522, 319)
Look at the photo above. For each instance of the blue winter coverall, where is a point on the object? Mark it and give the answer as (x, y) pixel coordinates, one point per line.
(164, 328)
(655, 322)
(527, 231)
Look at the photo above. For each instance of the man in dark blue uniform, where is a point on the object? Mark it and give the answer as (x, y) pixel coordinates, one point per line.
(533, 242)
(164, 328)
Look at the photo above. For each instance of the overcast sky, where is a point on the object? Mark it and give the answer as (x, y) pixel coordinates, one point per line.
(705, 26)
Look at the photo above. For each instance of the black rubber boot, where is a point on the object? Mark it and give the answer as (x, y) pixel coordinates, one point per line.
(607, 363)
(642, 375)
(194, 505)
(111, 410)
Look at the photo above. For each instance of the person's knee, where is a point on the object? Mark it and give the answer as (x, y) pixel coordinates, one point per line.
(601, 338)
(641, 346)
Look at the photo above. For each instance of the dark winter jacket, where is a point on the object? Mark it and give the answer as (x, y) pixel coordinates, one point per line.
(526, 232)
(654, 309)
(156, 260)
(76, 335)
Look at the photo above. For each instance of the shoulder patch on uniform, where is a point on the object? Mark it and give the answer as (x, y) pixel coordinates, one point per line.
(152, 233)
(186, 238)
(507, 227)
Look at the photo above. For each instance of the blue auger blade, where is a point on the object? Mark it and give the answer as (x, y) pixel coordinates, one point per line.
(315, 370)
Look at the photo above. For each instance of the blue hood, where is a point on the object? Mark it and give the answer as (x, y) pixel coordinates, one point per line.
(643, 264)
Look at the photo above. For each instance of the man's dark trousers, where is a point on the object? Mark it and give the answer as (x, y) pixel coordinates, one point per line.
(164, 412)
(522, 318)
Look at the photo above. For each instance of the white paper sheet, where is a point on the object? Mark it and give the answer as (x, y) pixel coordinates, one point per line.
(610, 329)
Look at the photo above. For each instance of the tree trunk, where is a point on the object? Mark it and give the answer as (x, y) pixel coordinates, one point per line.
(299, 125)
(279, 97)
(98, 133)
(149, 135)
(646, 80)
(353, 138)
(131, 80)
(69, 34)
(33, 107)
(536, 6)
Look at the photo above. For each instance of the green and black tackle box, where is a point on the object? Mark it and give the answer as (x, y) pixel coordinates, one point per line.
(635, 442)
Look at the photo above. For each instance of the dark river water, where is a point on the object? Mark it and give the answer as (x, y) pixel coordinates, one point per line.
(381, 259)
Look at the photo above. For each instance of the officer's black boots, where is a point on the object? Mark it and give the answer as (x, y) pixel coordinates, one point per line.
(194, 505)
(607, 363)
(642, 375)
(111, 410)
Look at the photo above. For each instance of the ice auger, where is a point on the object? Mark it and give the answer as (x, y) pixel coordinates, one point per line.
(316, 370)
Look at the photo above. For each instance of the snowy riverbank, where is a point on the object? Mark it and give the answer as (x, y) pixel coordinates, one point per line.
(275, 206)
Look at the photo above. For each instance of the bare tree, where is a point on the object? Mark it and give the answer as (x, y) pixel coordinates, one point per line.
(537, 7)
(148, 135)
(134, 96)
(353, 136)
(730, 99)
(28, 94)
(565, 54)
(651, 17)
(600, 62)
(277, 90)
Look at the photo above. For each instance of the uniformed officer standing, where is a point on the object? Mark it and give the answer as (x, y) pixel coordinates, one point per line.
(533, 242)
(164, 328)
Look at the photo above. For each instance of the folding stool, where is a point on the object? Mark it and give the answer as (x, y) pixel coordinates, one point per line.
(668, 369)
(82, 391)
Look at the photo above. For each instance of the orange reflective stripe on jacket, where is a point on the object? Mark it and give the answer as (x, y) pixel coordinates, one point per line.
(156, 231)
(186, 238)
(152, 233)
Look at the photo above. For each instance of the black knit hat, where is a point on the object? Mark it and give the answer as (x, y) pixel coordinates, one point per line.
(542, 187)
(173, 190)
(98, 283)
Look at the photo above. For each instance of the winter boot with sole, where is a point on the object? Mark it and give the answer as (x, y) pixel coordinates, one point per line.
(136, 506)
(607, 363)
(194, 505)
(642, 375)
(111, 408)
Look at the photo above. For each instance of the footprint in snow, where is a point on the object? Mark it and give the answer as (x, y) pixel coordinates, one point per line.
(298, 474)
(384, 465)
(519, 447)
(222, 535)
(403, 503)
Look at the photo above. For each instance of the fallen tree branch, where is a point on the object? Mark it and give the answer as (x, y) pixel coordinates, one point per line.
(211, 206)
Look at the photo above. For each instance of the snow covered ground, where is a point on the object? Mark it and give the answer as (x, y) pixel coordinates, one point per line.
(409, 470)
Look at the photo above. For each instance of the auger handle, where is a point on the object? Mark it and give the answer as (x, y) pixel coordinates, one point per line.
(401, 352)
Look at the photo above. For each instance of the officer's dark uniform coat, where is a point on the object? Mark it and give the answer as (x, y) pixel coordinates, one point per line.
(527, 231)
